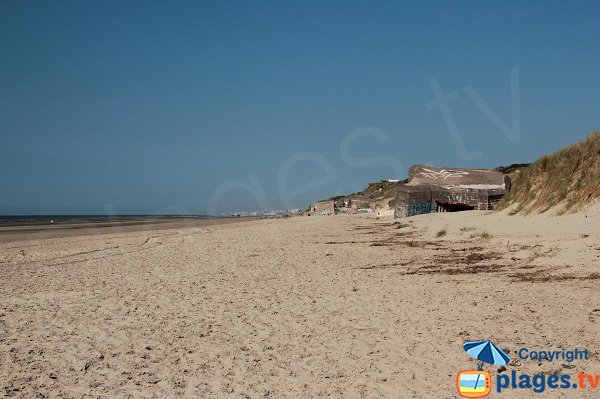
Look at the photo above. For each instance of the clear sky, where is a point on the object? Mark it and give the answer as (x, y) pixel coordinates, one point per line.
(197, 107)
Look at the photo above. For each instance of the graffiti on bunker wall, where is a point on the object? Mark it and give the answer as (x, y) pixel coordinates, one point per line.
(422, 207)
(443, 174)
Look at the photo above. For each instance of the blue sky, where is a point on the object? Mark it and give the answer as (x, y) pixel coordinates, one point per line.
(197, 107)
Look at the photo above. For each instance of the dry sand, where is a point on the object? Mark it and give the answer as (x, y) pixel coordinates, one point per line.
(339, 306)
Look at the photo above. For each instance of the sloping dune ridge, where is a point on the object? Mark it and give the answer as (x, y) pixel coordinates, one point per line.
(566, 181)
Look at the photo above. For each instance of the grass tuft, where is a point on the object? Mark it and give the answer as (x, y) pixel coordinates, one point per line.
(484, 236)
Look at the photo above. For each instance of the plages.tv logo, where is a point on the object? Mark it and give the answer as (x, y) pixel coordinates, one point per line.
(478, 383)
(474, 383)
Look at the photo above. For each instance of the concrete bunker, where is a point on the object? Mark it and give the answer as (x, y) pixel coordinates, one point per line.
(430, 190)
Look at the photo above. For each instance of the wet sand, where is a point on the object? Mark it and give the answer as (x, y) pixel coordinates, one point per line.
(19, 231)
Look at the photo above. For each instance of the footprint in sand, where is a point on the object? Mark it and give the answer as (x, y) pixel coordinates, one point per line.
(595, 316)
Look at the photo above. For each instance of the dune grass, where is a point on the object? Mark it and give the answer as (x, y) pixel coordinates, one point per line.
(569, 178)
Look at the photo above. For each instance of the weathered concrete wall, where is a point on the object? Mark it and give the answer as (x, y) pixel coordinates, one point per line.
(323, 208)
(353, 204)
(473, 178)
(433, 189)
(413, 200)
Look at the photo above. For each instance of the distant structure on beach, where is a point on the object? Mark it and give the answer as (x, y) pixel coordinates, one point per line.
(342, 205)
(354, 204)
(325, 207)
(372, 199)
(430, 189)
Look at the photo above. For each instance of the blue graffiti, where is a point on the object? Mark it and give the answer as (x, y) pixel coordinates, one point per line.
(422, 207)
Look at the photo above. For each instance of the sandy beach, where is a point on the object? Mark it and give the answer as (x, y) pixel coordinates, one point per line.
(42, 229)
(339, 306)
(297, 200)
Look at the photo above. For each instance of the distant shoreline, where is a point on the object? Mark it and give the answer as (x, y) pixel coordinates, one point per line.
(39, 227)
(35, 220)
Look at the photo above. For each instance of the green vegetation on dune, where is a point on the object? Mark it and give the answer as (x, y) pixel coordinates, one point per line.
(569, 178)
(379, 193)
(508, 170)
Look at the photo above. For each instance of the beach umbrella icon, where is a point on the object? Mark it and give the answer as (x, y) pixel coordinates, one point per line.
(487, 352)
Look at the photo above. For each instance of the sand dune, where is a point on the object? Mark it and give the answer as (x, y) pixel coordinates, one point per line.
(340, 306)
